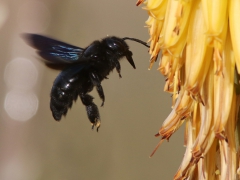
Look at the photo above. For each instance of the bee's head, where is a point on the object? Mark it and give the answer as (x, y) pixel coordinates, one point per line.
(118, 48)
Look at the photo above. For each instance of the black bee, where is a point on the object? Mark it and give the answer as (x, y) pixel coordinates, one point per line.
(82, 70)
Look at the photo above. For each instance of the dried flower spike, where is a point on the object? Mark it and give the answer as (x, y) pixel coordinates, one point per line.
(198, 43)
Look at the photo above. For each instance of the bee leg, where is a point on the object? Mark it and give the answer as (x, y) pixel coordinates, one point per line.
(92, 110)
(118, 68)
(101, 94)
(96, 82)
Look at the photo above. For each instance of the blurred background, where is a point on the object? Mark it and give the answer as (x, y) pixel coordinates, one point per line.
(33, 146)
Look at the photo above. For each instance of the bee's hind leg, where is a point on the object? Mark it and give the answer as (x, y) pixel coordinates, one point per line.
(92, 110)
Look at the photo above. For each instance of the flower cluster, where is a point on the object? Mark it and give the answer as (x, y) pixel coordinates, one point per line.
(199, 45)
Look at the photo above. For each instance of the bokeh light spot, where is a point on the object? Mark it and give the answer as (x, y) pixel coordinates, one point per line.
(21, 106)
(3, 13)
(21, 73)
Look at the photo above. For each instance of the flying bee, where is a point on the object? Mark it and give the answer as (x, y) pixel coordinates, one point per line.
(82, 70)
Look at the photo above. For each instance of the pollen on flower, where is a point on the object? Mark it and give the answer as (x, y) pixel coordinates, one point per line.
(198, 46)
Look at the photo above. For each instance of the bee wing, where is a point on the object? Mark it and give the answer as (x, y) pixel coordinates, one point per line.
(54, 51)
(65, 89)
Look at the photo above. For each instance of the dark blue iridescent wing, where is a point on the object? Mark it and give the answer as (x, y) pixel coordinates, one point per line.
(54, 51)
(66, 88)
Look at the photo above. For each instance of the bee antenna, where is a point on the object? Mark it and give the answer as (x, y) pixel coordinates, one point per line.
(137, 40)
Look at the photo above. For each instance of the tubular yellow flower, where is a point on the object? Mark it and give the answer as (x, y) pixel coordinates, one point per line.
(199, 45)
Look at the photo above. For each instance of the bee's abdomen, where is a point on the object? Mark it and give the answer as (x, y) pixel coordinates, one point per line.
(63, 93)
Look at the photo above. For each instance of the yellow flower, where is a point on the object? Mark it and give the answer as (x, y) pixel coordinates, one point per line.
(199, 45)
